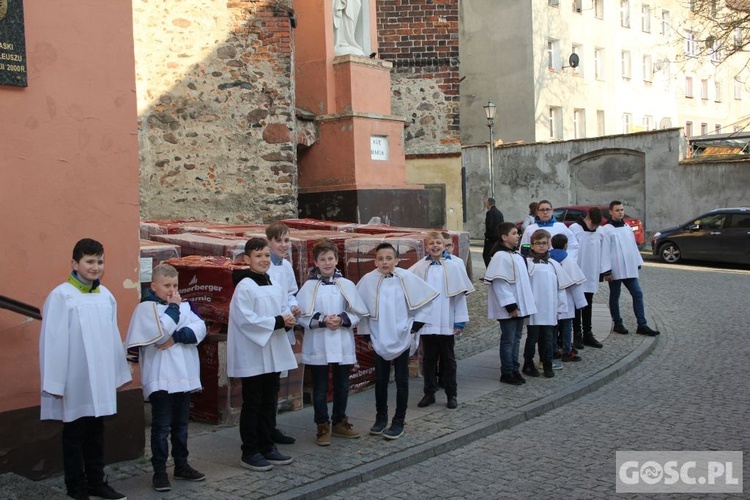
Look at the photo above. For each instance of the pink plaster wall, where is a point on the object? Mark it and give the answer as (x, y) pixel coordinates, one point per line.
(69, 163)
(362, 84)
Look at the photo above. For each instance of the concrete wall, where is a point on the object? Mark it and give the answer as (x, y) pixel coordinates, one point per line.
(643, 170)
(444, 170)
(217, 131)
(70, 170)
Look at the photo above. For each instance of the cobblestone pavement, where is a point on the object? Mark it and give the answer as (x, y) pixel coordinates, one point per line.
(690, 394)
(483, 403)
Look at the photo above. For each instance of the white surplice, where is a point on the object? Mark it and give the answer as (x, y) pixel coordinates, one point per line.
(283, 274)
(81, 354)
(451, 280)
(176, 369)
(624, 253)
(548, 283)
(574, 297)
(254, 347)
(323, 345)
(556, 228)
(593, 255)
(508, 278)
(394, 303)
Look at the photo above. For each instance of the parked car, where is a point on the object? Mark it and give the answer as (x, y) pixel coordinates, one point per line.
(721, 235)
(569, 215)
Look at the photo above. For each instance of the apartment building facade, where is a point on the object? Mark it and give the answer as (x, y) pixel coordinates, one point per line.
(572, 69)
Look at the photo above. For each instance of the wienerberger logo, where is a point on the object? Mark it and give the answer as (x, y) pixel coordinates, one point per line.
(193, 286)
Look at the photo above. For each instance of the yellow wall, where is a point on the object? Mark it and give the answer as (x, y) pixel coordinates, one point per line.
(442, 170)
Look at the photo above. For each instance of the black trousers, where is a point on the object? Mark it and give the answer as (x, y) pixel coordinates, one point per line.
(258, 410)
(439, 349)
(583, 316)
(487, 251)
(83, 452)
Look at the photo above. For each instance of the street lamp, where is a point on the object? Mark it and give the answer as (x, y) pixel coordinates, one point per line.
(489, 113)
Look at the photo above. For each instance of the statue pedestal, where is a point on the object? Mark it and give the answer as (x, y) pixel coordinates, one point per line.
(357, 168)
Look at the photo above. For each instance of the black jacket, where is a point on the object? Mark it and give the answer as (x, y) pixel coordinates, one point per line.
(493, 219)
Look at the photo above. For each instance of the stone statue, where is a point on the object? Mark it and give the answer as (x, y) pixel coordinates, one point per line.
(346, 14)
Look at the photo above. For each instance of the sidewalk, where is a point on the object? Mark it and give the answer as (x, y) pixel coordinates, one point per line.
(485, 406)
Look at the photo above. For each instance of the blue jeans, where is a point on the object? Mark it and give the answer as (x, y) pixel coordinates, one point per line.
(511, 330)
(565, 328)
(340, 382)
(169, 417)
(634, 287)
(382, 375)
(545, 336)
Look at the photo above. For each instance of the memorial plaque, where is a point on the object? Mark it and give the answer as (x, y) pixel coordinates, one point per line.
(12, 44)
(379, 148)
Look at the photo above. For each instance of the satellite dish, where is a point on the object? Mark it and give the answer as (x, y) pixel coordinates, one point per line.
(573, 60)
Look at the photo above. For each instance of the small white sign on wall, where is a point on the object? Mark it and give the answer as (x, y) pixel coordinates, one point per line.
(379, 148)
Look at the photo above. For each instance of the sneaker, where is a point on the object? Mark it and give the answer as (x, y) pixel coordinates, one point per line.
(323, 437)
(160, 482)
(557, 364)
(508, 378)
(395, 431)
(591, 341)
(519, 377)
(645, 330)
(426, 400)
(187, 473)
(567, 357)
(620, 329)
(378, 428)
(276, 458)
(104, 490)
(530, 370)
(78, 492)
(256, 462)
(557, 354)
(279, 437)
(345, 430)
(452, 403)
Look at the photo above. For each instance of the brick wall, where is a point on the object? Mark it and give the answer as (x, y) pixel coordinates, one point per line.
(217, 133)
(420, 38)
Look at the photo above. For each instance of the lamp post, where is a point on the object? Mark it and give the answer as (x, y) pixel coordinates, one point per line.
(489, 113)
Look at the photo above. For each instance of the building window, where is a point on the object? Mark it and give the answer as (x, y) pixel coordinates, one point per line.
(625, 13)
(691, 44)
(717, 91)
(553, 54)
(578, 50)
(688, 86)
(737, 89)
(704, 128)
(715, 52)
(599, 9)
(689, 129)
(553, 3)
(646, 18)
(555, 122)
(648, 69)
(717, 128)
(599, 64)
(626, 64)
(648, 122)
(577, 6)
(600, 122)
(704, 89)
(691, 4)
(666, 27)
(627, 120)
(579, 123)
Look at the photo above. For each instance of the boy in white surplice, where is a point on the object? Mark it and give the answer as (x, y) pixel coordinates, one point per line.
(82, 360)
(163, 337)
(399, 305)
(331, 308)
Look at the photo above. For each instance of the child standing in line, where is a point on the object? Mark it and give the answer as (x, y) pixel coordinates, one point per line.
(548, 283)
(331, 308)
(510, 300)
(574, 295)
(447, 319)
(258, 350)
(163, 336)
(282, 274)
(82, 363)
(399, 304)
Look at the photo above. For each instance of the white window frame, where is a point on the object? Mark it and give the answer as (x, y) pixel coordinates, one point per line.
(704, 89)
(553, 54)
(666, 23)
(689, 86)
(626, 65)
(646, 18)
(627, 122)
(688, 128)
(599, 66)
(600, 124)
(717, 128)
(555, 122)
(737, 90)
(578, 6)
(717, 91)
(579, 123)
(625, 13)
(691, 44)
(704, 128)
(599, 9)
(648, 122)
(648, 68)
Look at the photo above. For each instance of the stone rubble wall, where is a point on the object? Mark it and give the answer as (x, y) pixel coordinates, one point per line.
(215, 87)
(420, 38)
